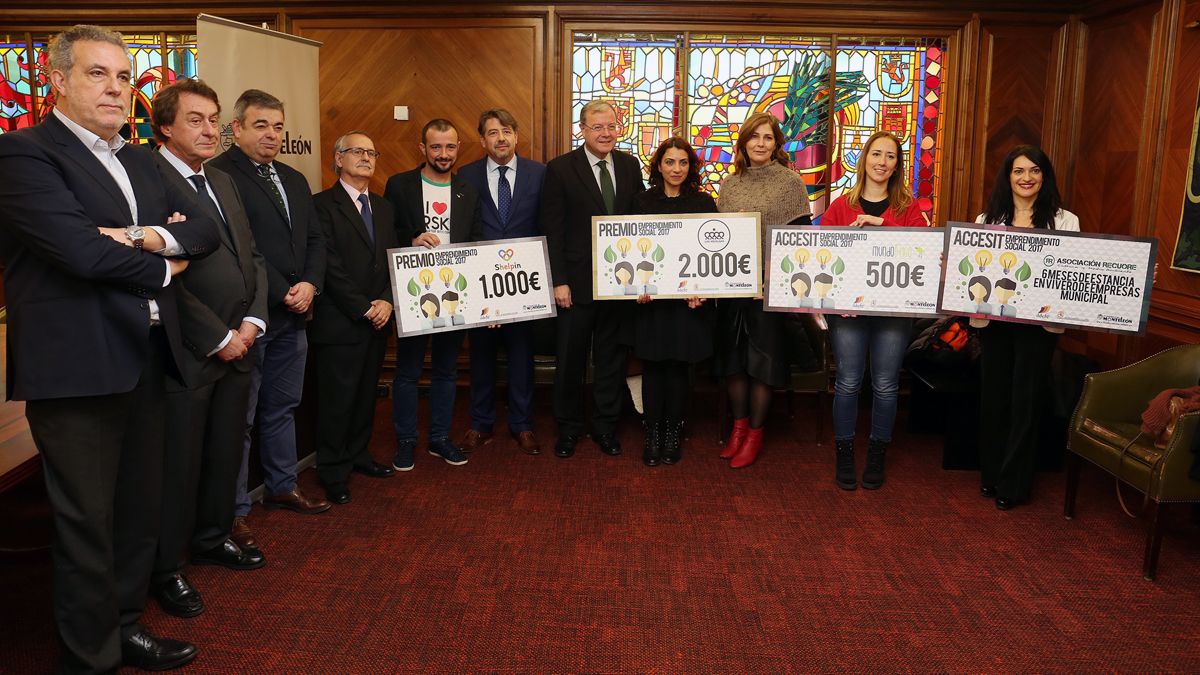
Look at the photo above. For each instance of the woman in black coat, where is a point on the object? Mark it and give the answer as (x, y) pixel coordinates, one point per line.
(669, 335)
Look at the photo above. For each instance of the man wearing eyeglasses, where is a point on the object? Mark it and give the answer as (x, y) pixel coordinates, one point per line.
(279, 206)
(349, 327)
(592, 180)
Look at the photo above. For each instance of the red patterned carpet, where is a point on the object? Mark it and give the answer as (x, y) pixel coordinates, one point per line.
(598, 564)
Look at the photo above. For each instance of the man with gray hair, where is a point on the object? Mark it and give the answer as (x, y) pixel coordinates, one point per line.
(595, 179)
(350, 322)
(90, 247)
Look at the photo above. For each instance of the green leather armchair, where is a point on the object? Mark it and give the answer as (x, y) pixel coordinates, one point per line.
(1105, 430)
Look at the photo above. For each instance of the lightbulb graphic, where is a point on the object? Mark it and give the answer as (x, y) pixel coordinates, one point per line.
(426, 277)
(983, 257)
(1008, 261)
(801, 255)
(446, 275)
(623, 246)
(644, 245)
(823, 257)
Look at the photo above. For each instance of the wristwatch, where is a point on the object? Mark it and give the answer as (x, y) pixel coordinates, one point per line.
(136, 234)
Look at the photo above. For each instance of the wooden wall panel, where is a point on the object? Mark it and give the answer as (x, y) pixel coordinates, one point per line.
(451, 69)
(1019, 60)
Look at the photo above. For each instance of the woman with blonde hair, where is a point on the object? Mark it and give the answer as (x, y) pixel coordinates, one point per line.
(880, 197)
(751, 350)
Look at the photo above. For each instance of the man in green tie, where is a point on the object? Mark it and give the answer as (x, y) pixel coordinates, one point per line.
(592, 180)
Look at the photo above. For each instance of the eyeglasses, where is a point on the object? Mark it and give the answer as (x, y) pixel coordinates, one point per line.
(597, 128)
(359, 152)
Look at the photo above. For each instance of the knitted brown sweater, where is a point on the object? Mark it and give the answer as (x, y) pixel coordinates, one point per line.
(774, 190)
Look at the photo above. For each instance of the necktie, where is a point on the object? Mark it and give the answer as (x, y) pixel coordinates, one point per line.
(503, 195)
(264, 172)
(367, 216)
(207, 201)
(607, 191)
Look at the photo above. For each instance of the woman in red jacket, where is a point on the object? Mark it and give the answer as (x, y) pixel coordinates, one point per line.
(880, 197)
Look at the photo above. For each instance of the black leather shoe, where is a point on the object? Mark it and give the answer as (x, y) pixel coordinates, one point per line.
(178, 597)
(988, 491)
(337, 493)
(143, 650)
(608, 444)
(565, 445)
(230, 555)
(1004, 503)
(375, 470)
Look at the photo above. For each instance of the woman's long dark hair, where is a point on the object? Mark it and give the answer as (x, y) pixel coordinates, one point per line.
(1045, 206)
(691, 184)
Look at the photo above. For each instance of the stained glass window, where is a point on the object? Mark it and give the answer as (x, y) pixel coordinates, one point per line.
(26, 91)
(16, 87)
(731, 78)
(875, 84)
(901, 93)
(638, 77)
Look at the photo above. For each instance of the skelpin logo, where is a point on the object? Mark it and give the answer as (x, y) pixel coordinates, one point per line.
(505, 253)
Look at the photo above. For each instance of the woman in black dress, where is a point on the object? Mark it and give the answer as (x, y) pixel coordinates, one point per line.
(669, 335)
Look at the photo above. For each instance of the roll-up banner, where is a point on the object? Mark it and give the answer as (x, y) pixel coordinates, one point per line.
(235, 57)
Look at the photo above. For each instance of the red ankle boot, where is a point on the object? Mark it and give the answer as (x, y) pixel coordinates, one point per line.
(736, 438)
(749, 451)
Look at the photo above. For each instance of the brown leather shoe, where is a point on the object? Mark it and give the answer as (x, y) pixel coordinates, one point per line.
(296, 501)
(475, 439)
(527, 443)
(241, 534)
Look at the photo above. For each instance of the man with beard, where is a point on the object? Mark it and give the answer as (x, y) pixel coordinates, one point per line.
(510, 191)
(433, 208)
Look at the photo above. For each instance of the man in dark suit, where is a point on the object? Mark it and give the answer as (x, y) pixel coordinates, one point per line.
(279, 206)
(510, 195)
(592, 180)
(93, 334)
(349, 326)
(223, 310)
(432, 207)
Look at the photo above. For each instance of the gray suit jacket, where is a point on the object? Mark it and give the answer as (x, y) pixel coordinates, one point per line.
(216, 293)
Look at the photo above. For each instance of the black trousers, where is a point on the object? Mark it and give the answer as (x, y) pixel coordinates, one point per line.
(348, 384)
(205, 428)
(1015, 368)
(103, 459)
(664, 390)
(597, 325)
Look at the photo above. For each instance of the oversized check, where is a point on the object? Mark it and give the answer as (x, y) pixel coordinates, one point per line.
(712, 255)
(468, 285)
(1069, 279)
(886, 271)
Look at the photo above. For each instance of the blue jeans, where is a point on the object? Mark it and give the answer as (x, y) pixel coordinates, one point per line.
(886, 340)
(276, 384)
(410, 359)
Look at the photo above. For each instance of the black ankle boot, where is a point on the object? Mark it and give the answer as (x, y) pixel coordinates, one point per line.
(873, 474)
(652, 450)
(847, 477)
(672, 441)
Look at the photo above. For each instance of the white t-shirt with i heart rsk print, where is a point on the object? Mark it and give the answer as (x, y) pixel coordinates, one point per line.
(437, 208)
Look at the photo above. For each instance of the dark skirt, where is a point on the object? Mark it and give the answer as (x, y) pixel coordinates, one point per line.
(667, 330)
(752, 342)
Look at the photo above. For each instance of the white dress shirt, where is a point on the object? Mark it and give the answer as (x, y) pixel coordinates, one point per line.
(592, 159)
(493, 178)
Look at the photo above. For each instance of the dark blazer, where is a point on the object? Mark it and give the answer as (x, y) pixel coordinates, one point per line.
(404, 192)
(570, 197)
(216, 293)
(525, 212)
(293, 252)
(78, 317)
(356, 270)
